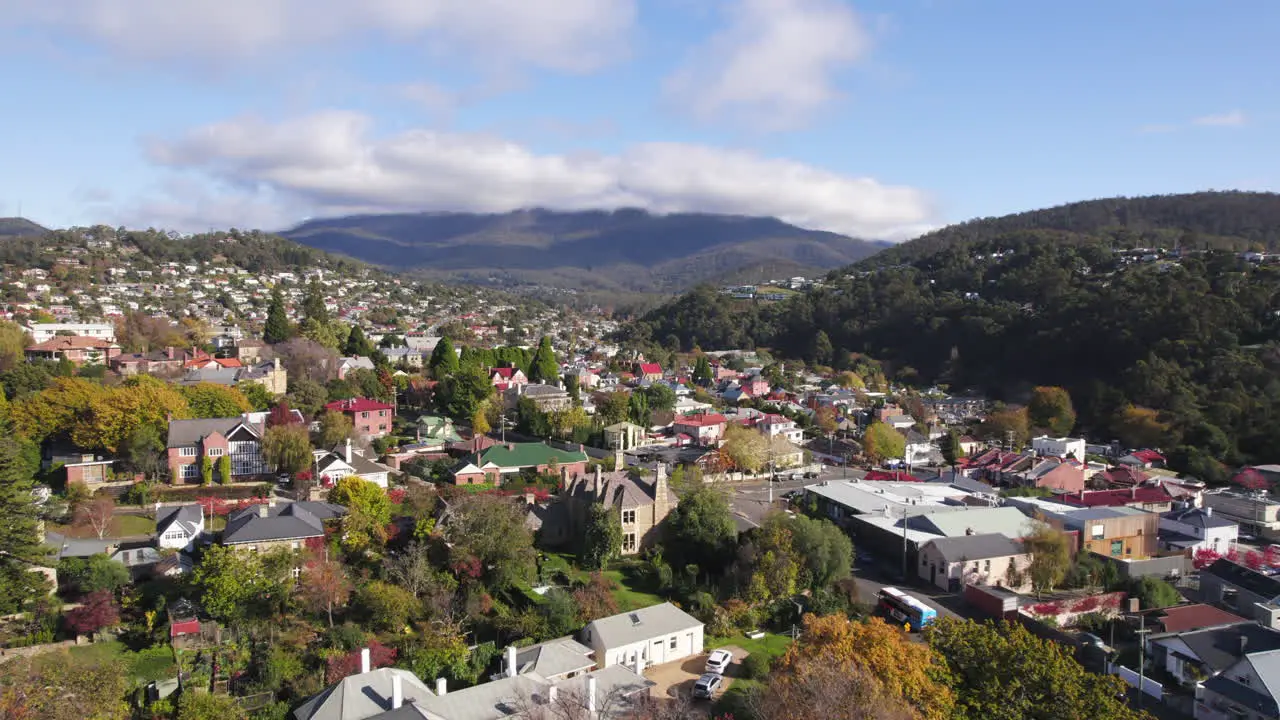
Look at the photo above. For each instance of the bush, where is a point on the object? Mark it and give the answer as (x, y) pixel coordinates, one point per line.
(756, 666)
(224, 470)
(138, 493)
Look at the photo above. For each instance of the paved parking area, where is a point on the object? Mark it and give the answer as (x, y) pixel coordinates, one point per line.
(676, 679)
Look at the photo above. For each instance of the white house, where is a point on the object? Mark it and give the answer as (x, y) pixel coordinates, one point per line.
(919, 450)
(656, 634)
(775, 425)
(40, 332)
(1197, 529)
(1059, 447)
(179, 527)
(333, 466)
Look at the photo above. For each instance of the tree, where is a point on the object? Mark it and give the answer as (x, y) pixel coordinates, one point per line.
(206, 470)
(210, 400)
(546, 368)
(335, 429)
(489, 537)
(1050, 408)
(142, 452)
(307, 396)
(882, 441)
(746, 448)
(277, 328)
(700, 531)
(287, 448)
(826, 421)
(702, 371)
(660, 397)
(822, 352)
(826, 687)
(1204, 557)
(357, 345)
(1050, 552)
(224, 470)
(255, 394)
(414, 571)
(1008, 425)
(96, 514)
(444, 360)
(908, 672)
(480, 420)
(389, 607)
(595, 599)
(324, 586)
(368, 511)
(601, 536)
(952, 448)
(313, 303)
(98, 610)
(229, 582)
(20, 538)
(1003, 672)
(306, 359)
(110, 415)
(194, 705)
(825, 551)
(1152, 592)
(1140, 427)
(465, 391)
(614, 407)
(340, 666)
(61, 686)
(92, 574)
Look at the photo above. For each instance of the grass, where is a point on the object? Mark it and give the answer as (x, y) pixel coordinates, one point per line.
(771, 644)
(629, 591)
(627, 595)
(144, 666)
(121, 525)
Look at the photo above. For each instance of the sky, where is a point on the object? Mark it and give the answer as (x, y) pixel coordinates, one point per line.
(877, 119)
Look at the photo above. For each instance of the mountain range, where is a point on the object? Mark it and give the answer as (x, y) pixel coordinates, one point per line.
(624, 250)
(20, 227)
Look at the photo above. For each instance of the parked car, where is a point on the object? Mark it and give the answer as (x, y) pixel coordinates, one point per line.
(718, 661)
(1091, 639)
(282, 479)
(707, 686)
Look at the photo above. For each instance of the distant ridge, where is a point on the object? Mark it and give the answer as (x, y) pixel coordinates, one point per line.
(20, 227)
(622, 250)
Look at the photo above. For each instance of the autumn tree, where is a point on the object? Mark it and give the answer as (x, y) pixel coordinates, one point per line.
(595, 599)
(1008, 425)
(61, 686)
(13, 343)
(335, 429)
(746, 448)
(96, 514)
(368, 511)
(324, 586)
(211, 400)
(1050, 552)
(96, 611)
(1003, 672)
(115, 413)
(287, 448)
(487, 533)
(1051, 408)
(1140, 427)
(823, 686)
(882, 441)
(907, 672)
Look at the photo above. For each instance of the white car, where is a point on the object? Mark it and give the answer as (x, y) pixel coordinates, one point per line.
(719, 661)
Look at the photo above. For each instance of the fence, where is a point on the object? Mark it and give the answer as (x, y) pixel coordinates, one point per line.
(1134, 680)
(7, 654)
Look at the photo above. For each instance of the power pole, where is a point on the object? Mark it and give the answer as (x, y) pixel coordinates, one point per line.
(904, 544)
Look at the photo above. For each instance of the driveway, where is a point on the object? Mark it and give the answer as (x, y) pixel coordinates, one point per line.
(676, 679)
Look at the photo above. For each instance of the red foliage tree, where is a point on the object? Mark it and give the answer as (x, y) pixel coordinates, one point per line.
(281, 414)
(1233, 555)
(1254, 560)
(324, 586)
(214, 506)
(345, 665)
(396, 495)
(1271, 556)
(1250, 479)
(98, 610)
(1204, 557)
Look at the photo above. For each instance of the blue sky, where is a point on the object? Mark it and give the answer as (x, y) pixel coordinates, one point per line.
(877, 119)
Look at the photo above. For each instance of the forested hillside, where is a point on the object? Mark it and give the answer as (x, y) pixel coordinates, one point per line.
(1192, 335)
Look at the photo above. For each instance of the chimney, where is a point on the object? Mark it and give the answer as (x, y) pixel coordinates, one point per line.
(619, 458)
(1208, 512)
(511, 661)
(639, 666)
(564, 478)
(1244, 644)
(347, 454)
(397, 691)
(441, 688)
(364, 660)
(1082, 495)
(599, 483)
(1133, 492)
(591, 696)
(169, 351)
(264, 510)
(552, 692)
(276, 364)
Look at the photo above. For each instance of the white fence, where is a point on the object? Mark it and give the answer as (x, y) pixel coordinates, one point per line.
(1131, 678)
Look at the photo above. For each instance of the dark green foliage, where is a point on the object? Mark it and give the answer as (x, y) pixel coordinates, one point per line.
(756, 666)
(277, 328)
(1048, 299)
(357, 345)
(702, 371)
(546, 369)
(601, 537)
(701, 532)
(444, 361)
(20, 547)
(1154, 593)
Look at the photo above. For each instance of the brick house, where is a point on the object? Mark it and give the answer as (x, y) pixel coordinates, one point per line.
(506, 377)
(648, 371)
(493, 463)
(75, 349)
(370, 418)
(988, 559)
(1054, 474)
(192, 440)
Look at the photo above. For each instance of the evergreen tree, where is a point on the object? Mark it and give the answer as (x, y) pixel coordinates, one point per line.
(823, 351)
(357, 345)
(313, 304)
(545, 366)
(444, 361)
(277, 328)
(702, 371)
(20, 545)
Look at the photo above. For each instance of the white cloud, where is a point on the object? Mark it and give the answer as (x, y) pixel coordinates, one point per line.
(775, 62)
(332, 163)
(1235, 118)
(569, 35)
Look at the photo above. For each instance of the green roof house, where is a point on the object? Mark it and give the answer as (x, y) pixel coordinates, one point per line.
(492, 464)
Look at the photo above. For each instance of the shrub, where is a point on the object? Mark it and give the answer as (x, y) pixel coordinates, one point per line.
(756, 666)
(224, 470)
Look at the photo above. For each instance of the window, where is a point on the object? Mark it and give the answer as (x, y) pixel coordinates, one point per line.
(629, 542)
(382, 413)
(187, 452)
(923, 562)
(189, 471)
(364, 416)
(673, 642)
(217, 452)
(1117, 548)
(1097, 531)
(628, 517)
(987, 565)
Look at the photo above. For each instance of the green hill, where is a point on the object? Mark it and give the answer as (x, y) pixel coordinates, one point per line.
(19, 227)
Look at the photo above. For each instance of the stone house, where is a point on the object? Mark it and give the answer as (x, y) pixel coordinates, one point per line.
(546, 397)
(641, 506)
(190, 441)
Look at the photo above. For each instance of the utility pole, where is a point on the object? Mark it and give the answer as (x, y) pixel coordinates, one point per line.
(1142, 656)
(904, 544)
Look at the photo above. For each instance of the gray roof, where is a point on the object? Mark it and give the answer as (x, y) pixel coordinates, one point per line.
(1196, 517)
(185, 433)
(362, 696)
(642, 624)
(291, 521)
(555, 657)
(187, 517)
(493, 700)
(1219, 647)
(65, 547)
(976, 547)
(359, 463)
(539, 389)
(1007, 521)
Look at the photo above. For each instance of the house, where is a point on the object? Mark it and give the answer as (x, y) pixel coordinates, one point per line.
(1197, 655)
(493, 463)
(347, 364)
(436, 430)
(1191, 529)
(179, 527)
(649, 371)
(373, 693)
(191, 441)
(1152, 499)
(1256, 513)
(40, 332)
(157, 362)
(1246, 592)
(986, 559)
(370, 418)
(1184, 618)
(404, 356)
(560, 659)
(266, 526)
(91, 470)
(654, 635)
(1145, 459)
(270, 375)
(1117, 532)
(1054, 474)
(624, 436)
(1062, 447)
(641, 506)
(546, 398)
(774, 425)
(334, 466)
(918, 450)
(1250, 688)
(506, 377)
(74, 349)
(702, 429)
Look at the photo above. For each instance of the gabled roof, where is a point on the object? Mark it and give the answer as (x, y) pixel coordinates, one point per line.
(183, 433)
(555, 657)
(976, 547)
(1006, 521)
(643, 624)
(1196, 517)
(1185, 618)
(701, 420)
(71, 342)
(650, 369)
(1111, 498)
(357, 405)
(363, 696)
(520, 455)
(190, 518)
(290, 521)
(1242, 577)
(1220, 647)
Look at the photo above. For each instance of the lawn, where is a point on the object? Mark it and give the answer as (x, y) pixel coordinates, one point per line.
(630, 592)
(143, 666)
(771, 645)
(121, 526)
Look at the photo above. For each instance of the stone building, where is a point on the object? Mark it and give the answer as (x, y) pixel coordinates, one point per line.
(641, 505)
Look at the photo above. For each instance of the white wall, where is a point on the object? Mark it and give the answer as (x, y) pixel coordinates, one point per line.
(1061, 447)
(655, 650)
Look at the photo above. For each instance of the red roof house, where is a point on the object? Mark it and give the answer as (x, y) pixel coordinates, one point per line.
(1153, 499)
(370, 417)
